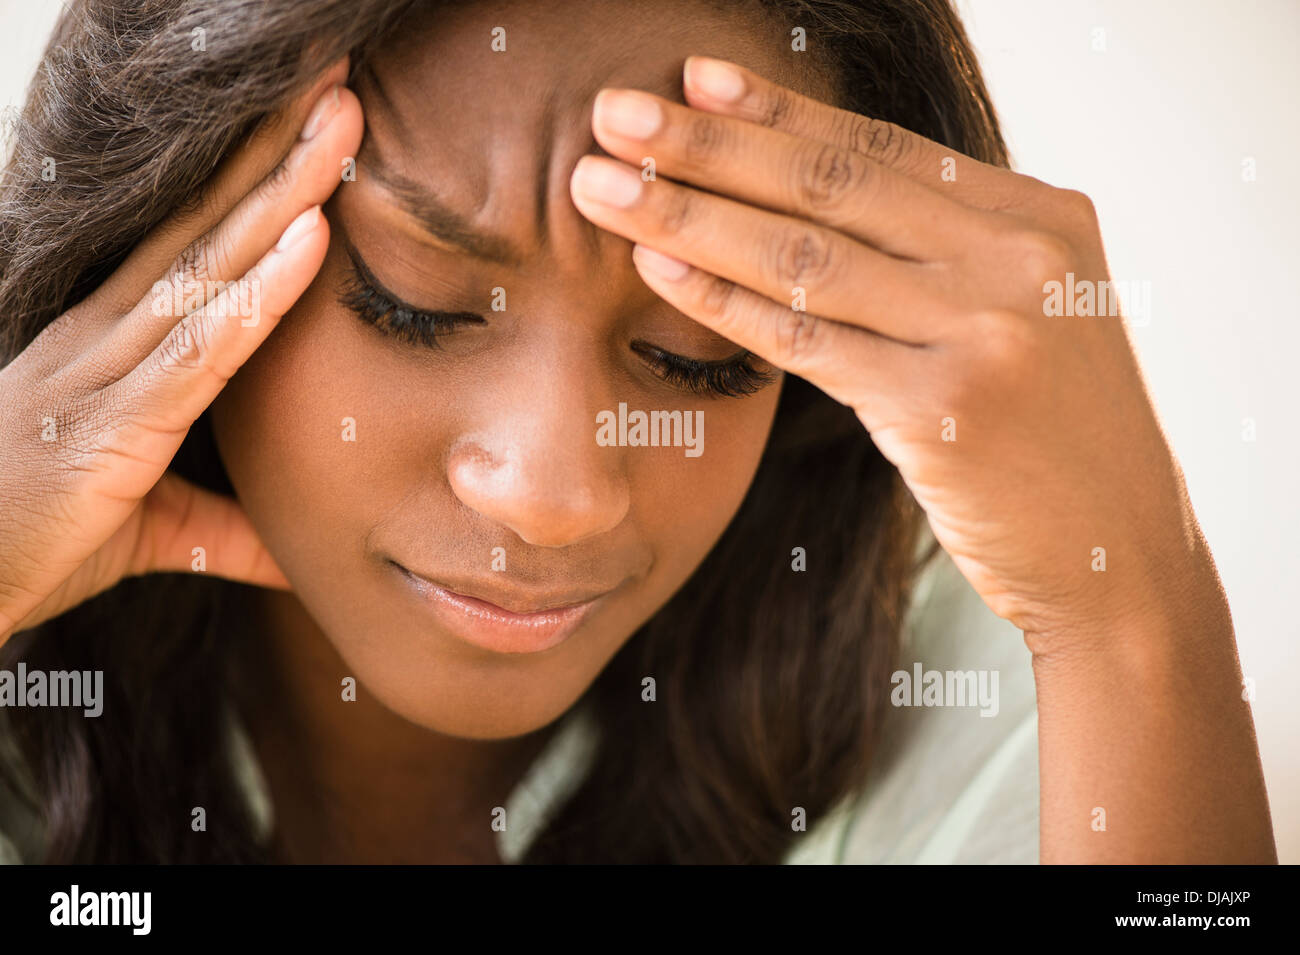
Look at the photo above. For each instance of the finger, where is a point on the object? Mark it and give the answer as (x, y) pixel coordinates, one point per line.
(790, 261)
(720, 86)
(849, 364)
(246, 166)
(179, 518)
(306, 178)
(160, 399)
(811, 178)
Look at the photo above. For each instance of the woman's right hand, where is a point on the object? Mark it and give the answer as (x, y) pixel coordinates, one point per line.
(93, 411)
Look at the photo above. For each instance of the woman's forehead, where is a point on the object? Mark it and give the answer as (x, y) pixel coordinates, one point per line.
(499, 131)
(531, 59)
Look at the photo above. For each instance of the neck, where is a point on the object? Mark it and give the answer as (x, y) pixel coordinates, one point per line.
(353, 781)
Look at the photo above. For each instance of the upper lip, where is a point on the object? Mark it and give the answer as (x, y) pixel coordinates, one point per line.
(512, 601)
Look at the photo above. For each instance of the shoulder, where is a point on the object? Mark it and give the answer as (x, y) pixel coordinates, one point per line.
(955, 776)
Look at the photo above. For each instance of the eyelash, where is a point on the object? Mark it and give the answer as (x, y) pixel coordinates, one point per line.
(733, 377)
(727, 378)
(363, 295)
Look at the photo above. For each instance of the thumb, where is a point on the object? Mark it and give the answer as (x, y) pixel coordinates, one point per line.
(178, 517)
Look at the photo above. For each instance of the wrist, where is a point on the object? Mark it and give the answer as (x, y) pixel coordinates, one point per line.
(1172, 611)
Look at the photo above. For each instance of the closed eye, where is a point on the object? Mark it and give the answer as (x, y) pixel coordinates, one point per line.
(362, 293)
(373, 303)
(732, 377)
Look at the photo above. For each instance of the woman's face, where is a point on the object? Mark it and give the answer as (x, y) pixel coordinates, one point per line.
(387, 475)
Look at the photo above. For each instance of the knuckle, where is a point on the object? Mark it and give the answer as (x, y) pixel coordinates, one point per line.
(778, 104)
(878, 140)
(186, 346)
(1000, 325)
(705, 140)
(824, 179)
(677, 211)
(1079, 207)
(195, 263)
(717, 299)
(798, 336)
(801, 256)
(1043, 256)
(1005, 347)
(870, 137)
(998, 348)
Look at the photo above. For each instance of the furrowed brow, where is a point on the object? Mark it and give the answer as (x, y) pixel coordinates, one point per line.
(443, 223)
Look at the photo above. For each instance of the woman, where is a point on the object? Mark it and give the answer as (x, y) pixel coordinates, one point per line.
(505, 491)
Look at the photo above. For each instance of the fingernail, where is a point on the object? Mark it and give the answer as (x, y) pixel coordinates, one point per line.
(325, 109)
(606, 182)
(628, 113)
(299, 229)
(717, 79)
(656, 262)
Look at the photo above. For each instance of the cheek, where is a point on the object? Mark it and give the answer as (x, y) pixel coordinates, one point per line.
(322, 432)
(685, 503)
(332, 434)
(296, 431)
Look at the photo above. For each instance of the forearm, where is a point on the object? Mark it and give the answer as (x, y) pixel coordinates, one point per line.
(1150, 727)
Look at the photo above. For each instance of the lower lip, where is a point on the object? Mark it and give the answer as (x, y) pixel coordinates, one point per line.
(492, 628)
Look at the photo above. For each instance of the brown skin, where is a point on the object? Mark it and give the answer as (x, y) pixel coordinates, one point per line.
(924, 300)
(925, 307)
(489, 442)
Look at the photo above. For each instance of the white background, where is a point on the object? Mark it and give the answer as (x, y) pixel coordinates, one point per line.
(1155, 128)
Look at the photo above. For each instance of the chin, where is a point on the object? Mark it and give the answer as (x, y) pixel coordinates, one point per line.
(470, 695)
(483, 724)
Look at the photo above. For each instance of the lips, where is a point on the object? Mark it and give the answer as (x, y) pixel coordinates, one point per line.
(498, 620)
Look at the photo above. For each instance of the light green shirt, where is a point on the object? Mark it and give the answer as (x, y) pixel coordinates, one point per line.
(947, 784)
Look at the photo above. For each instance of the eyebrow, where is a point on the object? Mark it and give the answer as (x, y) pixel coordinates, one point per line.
(441, 221)
(437, 218)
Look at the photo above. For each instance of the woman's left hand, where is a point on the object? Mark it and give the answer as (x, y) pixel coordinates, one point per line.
(1029, 439)
(923, 276)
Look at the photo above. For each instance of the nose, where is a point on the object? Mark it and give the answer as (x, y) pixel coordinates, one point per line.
(536, 469)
